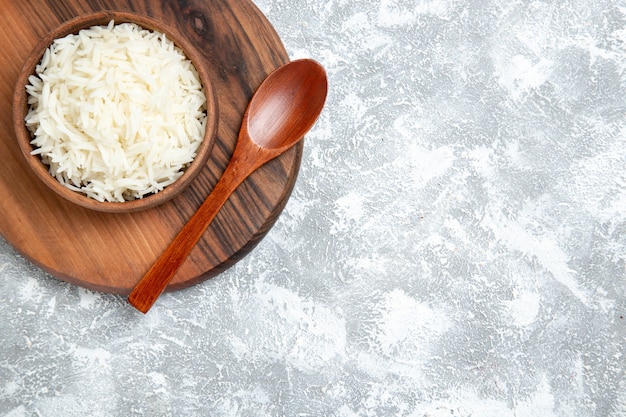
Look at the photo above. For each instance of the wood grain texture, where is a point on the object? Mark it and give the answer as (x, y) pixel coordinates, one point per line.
(111, 252)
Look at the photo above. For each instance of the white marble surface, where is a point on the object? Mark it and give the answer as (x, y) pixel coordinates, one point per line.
(455, 244)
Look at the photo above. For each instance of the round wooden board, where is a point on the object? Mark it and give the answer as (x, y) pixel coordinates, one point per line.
(111, 252)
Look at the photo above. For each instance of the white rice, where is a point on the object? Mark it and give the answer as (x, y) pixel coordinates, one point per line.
(117, 111)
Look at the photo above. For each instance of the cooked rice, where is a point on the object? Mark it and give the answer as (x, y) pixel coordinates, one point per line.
(117, 112)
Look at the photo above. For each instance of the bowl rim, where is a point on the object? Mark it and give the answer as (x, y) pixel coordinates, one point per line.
(24, 137)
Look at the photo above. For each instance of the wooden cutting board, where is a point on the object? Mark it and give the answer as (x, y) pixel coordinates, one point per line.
(111, 252)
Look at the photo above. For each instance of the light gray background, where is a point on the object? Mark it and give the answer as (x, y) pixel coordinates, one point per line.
(455, 244)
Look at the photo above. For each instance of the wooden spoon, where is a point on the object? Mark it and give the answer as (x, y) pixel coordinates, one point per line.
(282, 110)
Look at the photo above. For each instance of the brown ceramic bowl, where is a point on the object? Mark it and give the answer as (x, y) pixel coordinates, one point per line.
(24, 137)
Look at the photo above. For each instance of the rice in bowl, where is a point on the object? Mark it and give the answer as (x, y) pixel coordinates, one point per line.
(117, 112)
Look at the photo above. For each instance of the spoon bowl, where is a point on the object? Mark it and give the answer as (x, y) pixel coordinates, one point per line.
(281, 112)
(277, 118)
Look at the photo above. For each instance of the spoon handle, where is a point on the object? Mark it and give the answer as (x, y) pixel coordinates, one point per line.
(163, 270)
